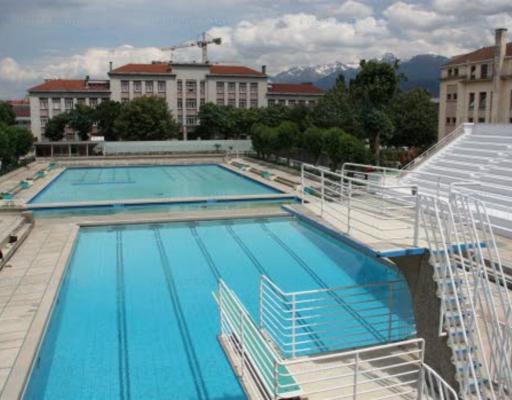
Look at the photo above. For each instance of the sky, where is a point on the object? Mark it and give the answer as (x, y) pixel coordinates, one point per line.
(73, 38)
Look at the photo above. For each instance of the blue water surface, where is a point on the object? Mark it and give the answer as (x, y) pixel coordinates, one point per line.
(147, 182)
(136, 319)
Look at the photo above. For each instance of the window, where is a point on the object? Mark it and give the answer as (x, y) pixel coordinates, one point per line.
(450, 72)
(481, 120)
(484, 71)
(137, 86)
(242, 87)
(161, 87)
(180, 104)
(81, 101)
(191, 120)
(454, 97)
(220, 101)
(179, 84)
(124, 100)
(232, 102)
(68, 104)
(291, 102)
(282, 102)
(448, 97)
(254, 88)
(231, 87)
(43, 104)
(191, 86)
(220, 87)
(470, 119)
(202, 87)
(202, 102)
(148, 86)
(482, 101)
(471, 104)
(191, 104)
(56, 103)
(302, 102)
(44, 121)
(456, 72)
(125, 86)
(271, 102)
(473, 72)
(242, 103)
(254, 103)
(93, 102)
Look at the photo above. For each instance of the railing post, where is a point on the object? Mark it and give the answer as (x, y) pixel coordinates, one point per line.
(276, 380)
(349, 205)
(356, 372)
(390, 309)
(261, 303)
(322, 192)
(242, 351)
(294, 309)
(302, 182)
(416, 219)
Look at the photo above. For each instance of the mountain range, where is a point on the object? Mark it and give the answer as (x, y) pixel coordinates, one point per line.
(421, 71)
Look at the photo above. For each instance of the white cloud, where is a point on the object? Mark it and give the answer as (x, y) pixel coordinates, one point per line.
(352, 9)
(482, 7)
(415, 17)
(11, 71)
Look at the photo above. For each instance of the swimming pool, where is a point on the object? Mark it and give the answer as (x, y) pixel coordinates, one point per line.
(148, 182)
(136, 318)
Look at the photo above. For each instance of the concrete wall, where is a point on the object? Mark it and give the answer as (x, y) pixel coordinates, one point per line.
(420, 277)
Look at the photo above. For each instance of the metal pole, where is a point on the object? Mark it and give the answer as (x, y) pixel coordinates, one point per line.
(322, 193)
(261, 302)
(242, 351)
(417, 220)
(390, 310)
(356, 372)
(302, 182)
(349, 205)
(293, 325)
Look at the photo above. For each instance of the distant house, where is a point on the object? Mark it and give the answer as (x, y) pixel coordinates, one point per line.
(22, 110)
(184, 86)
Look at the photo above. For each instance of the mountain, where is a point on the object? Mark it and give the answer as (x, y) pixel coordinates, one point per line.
(420, 71)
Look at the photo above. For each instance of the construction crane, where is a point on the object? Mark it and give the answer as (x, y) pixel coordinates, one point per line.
(202, 44)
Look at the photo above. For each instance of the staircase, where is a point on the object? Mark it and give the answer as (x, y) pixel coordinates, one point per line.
(476, 311)
(476, 156)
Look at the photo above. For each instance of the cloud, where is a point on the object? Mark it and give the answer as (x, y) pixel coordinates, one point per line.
(481, 7)
(415, 17)
(352, 9)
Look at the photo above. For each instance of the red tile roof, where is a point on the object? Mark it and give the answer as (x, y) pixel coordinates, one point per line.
(71, 85)
(21, 107)
(294, 88)
(234, 70)
(485, 53)
(143, 69)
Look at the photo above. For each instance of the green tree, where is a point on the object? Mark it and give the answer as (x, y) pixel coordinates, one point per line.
(313, 142)
(372, 91)
(214, 121)
(7, 114)
(273, 115)
(286, 138)
(21, 140)
(415, 118)
(105, 115)
(263, 140)
(244, 119)
(81, 120)
(342, 147)
(146, 118)
(56, 126)
(6, 150)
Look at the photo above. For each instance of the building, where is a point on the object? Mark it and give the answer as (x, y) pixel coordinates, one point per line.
(184, 86)
(477, 86)
(22, 110)
(293, 94)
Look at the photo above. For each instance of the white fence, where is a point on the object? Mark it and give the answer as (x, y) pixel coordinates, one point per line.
(389, 371)
(177, 146)
(316, 321)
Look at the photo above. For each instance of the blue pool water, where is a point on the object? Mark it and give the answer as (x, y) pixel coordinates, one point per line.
(136, 319)
(143, 182)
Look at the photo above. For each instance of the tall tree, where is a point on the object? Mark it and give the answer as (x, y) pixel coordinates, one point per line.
(105, 115)
(21, 140)
(81, 120)
(6, 150)
(372, 91)
(146, 118)
(7, 114)
(56, 126)
(286, 139)
(342, 147)
(313, 142)
(415, 118)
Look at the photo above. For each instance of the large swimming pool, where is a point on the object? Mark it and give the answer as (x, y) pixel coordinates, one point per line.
(148, 182)
(136, 318)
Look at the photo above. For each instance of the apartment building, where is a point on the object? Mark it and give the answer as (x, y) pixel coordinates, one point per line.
(477, 86)
(287, 94)
(22, 110)
(184, 86)
(58, 95)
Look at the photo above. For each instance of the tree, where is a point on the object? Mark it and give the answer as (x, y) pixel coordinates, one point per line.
(372, 91)
(214, 121)
(273, 115)
(415, 118)
(342, 147)
(146, 118)
(55, 127)
(21, 141)
(313, 142)
(7, 114)
(286, 138)
(81, 120)
(263, 139)
(105, 115)
(6, 151)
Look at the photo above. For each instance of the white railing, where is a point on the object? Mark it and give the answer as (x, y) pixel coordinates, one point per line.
(316, 321)
(389, 371)
(362, 206)
(463, 128)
